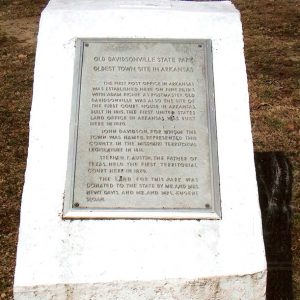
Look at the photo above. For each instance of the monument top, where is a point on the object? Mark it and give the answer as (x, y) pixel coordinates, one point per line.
(176, 4)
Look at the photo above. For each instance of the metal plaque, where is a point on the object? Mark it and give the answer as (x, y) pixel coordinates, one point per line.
(142, 132)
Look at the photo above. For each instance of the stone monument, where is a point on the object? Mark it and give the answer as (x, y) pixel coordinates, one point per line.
(140, 181)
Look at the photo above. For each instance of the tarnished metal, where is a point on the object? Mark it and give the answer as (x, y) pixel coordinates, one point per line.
(143, 140)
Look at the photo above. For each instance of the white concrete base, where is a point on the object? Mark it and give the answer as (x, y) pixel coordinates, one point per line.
(242, 287)
(141, 259)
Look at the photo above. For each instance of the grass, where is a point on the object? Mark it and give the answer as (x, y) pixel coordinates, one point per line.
(271, 34)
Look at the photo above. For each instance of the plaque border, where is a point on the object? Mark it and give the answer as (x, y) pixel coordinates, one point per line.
(71, 212)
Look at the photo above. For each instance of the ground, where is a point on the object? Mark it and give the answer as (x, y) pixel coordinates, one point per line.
(271, 30)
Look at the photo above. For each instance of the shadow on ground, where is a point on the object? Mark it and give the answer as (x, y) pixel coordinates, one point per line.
(274, 178)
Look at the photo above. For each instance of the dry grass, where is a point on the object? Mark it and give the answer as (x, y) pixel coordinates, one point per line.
(16, 76)
(272, 43)
(15, 91)
(273, 64)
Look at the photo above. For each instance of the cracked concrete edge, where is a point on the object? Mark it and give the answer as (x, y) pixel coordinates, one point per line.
(247, 287)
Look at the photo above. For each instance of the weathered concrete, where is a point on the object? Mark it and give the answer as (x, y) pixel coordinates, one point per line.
(233, 288)
(141, 259)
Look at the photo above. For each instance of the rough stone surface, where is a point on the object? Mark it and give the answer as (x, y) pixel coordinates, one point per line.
(233, 288)
(141, 259)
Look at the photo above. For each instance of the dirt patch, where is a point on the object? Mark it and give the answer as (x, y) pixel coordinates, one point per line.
(23, 30)
(15, 92)
(17, 51)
